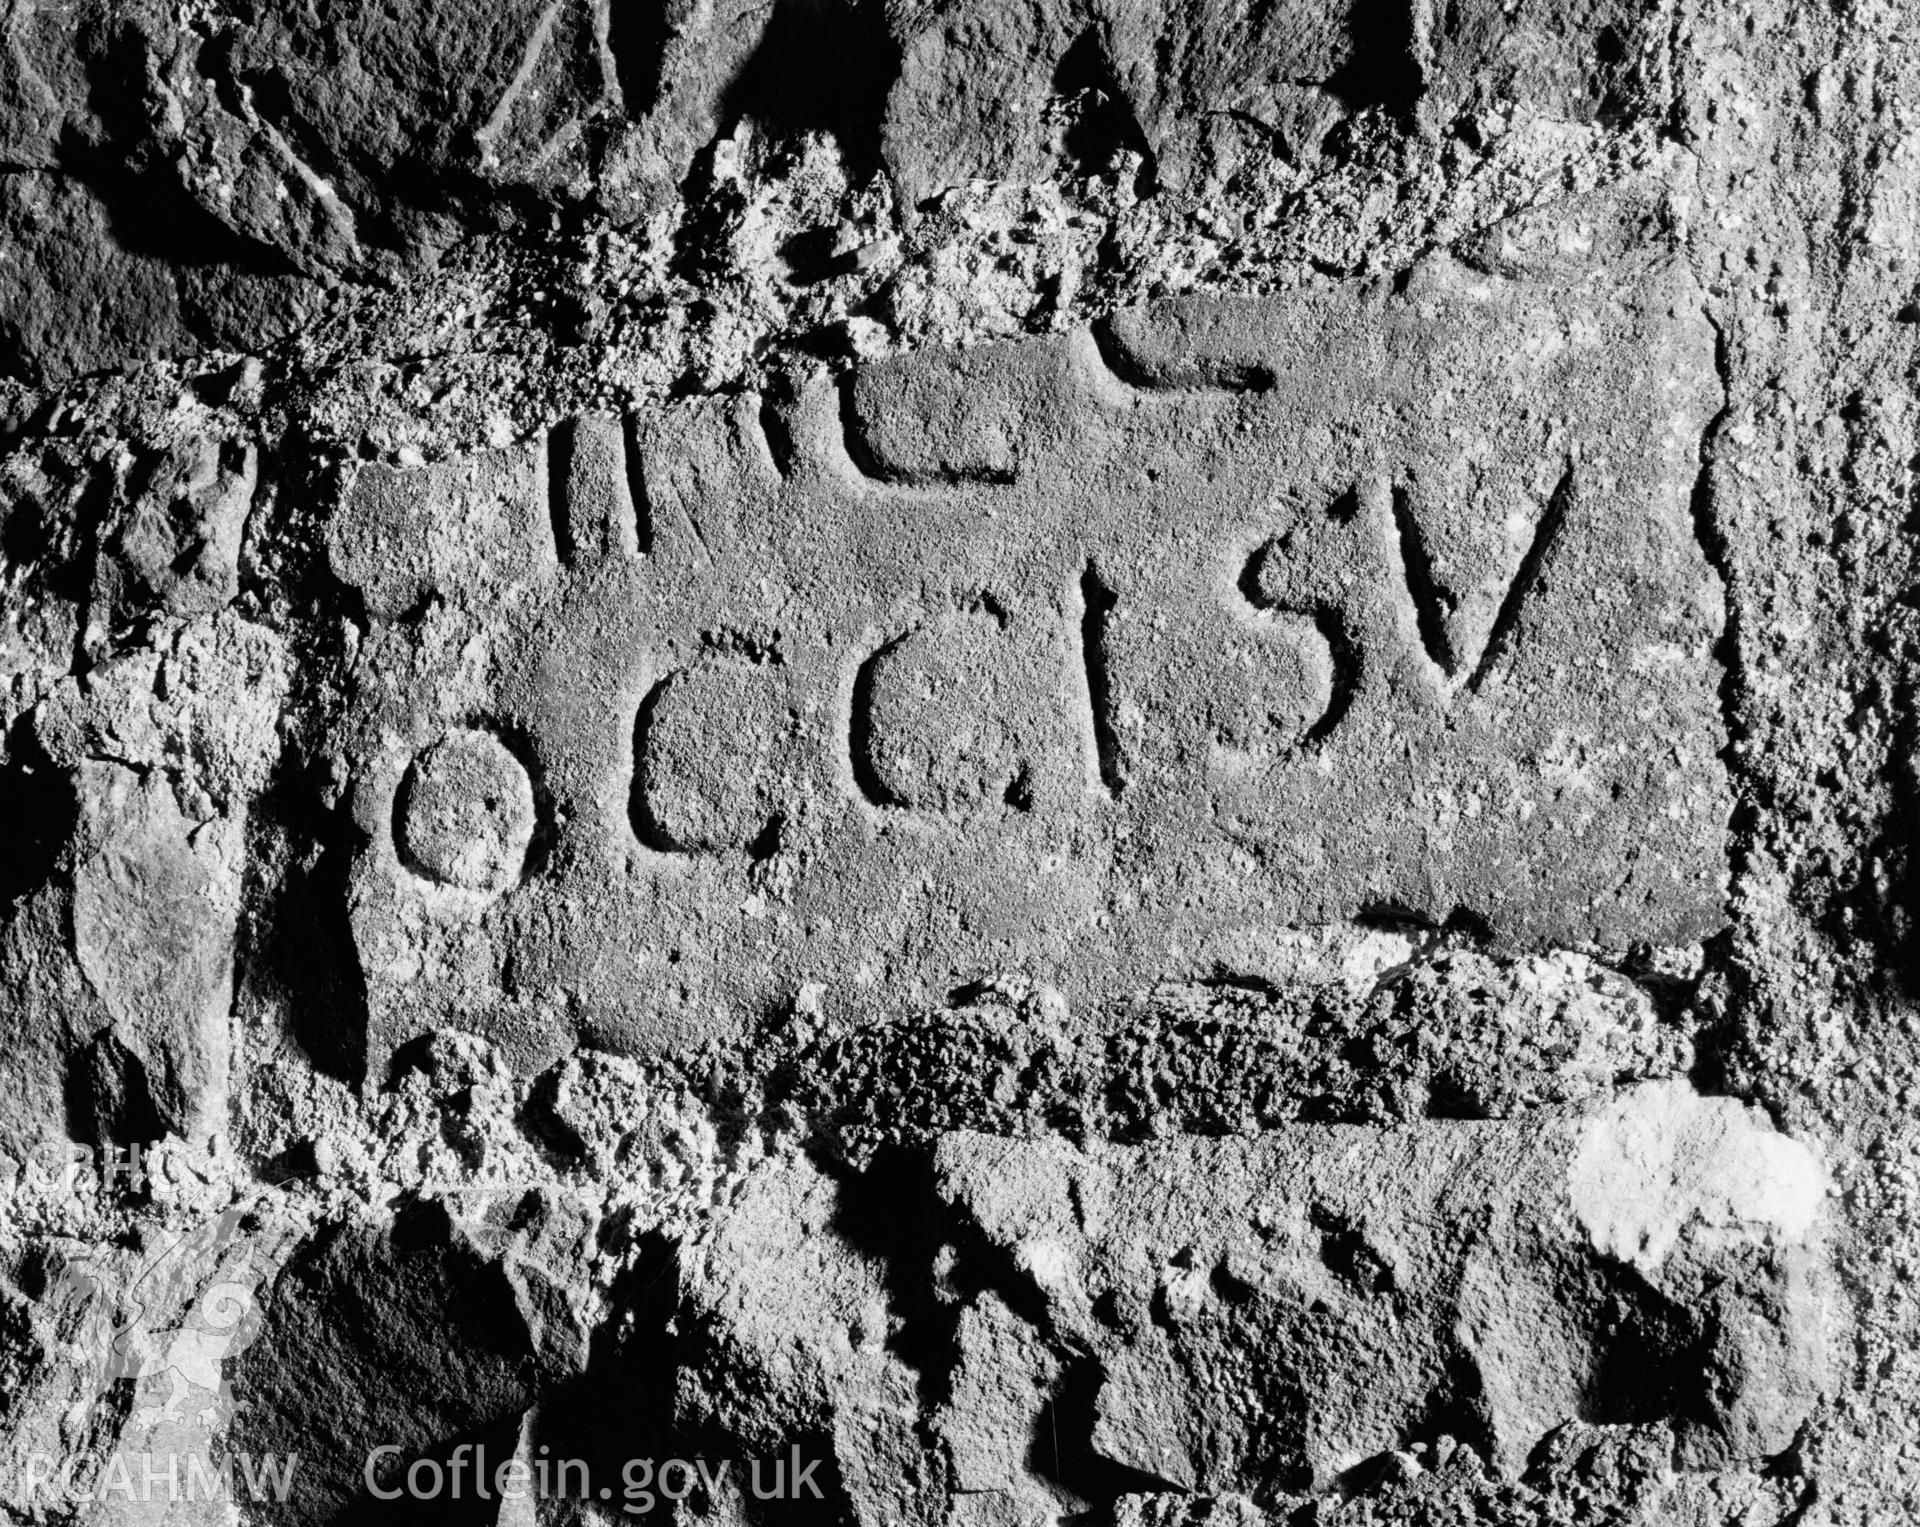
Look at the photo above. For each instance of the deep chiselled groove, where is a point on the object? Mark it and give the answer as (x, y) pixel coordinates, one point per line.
(637, 487)
(860, 732)
(777, 434)
(872, 465)
(1713, 546)
(1096, 609)
(1216, 374)
(562, 444)
(1429, 603)
(1532, 567)
(1344, 653)
(853, 438)
(637, 37)
(1718, 1043)
(646, 826)
(1120, 361)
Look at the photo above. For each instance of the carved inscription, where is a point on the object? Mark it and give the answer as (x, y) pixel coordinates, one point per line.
(1072, 657)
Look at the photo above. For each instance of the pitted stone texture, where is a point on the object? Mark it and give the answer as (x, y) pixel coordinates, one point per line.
(71, 298)
(126, 1008)
(203, 703)
(796, 1344)
(472, 530)
(156, 898)
(1272, 680)
(1267, 1313)
(49, 1016)
(1661, 1168)
(422, 1328)
(177, 543)
(975, 79)
(136, 1339)
(1252, 615)
(467, 812)
(709, 743)
(962, 416)
(1270, 1317)
(374, 105)
(1456, 1035)
(942, 712)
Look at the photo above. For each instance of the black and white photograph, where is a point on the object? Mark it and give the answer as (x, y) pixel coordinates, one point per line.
(960, 763)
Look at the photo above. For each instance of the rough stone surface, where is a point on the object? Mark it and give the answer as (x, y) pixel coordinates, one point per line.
(1269, 1314)
(1282, 614)
(986, 763)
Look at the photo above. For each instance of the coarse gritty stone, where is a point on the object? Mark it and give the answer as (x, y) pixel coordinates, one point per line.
(1267, 1316)
(155, 899)
(1354, 1286)
(1097, 759)
(1055, 656)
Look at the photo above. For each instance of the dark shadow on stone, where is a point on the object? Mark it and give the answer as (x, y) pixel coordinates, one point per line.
(108, 1100)
(38, 805)
(860, 732)
(539, 1118)
(814, 256)
(1097, 602)
(1650, 1365)
(638, 32)
(1431, 604)
(892, 1212)
(451, 1464)
(397, 1335)
(416, 1054)
(1104, 127)
(1061, 1447)
(1383, 68)
(622, 1406)
(1456, 1408)
(300, 946)
(822, 66)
